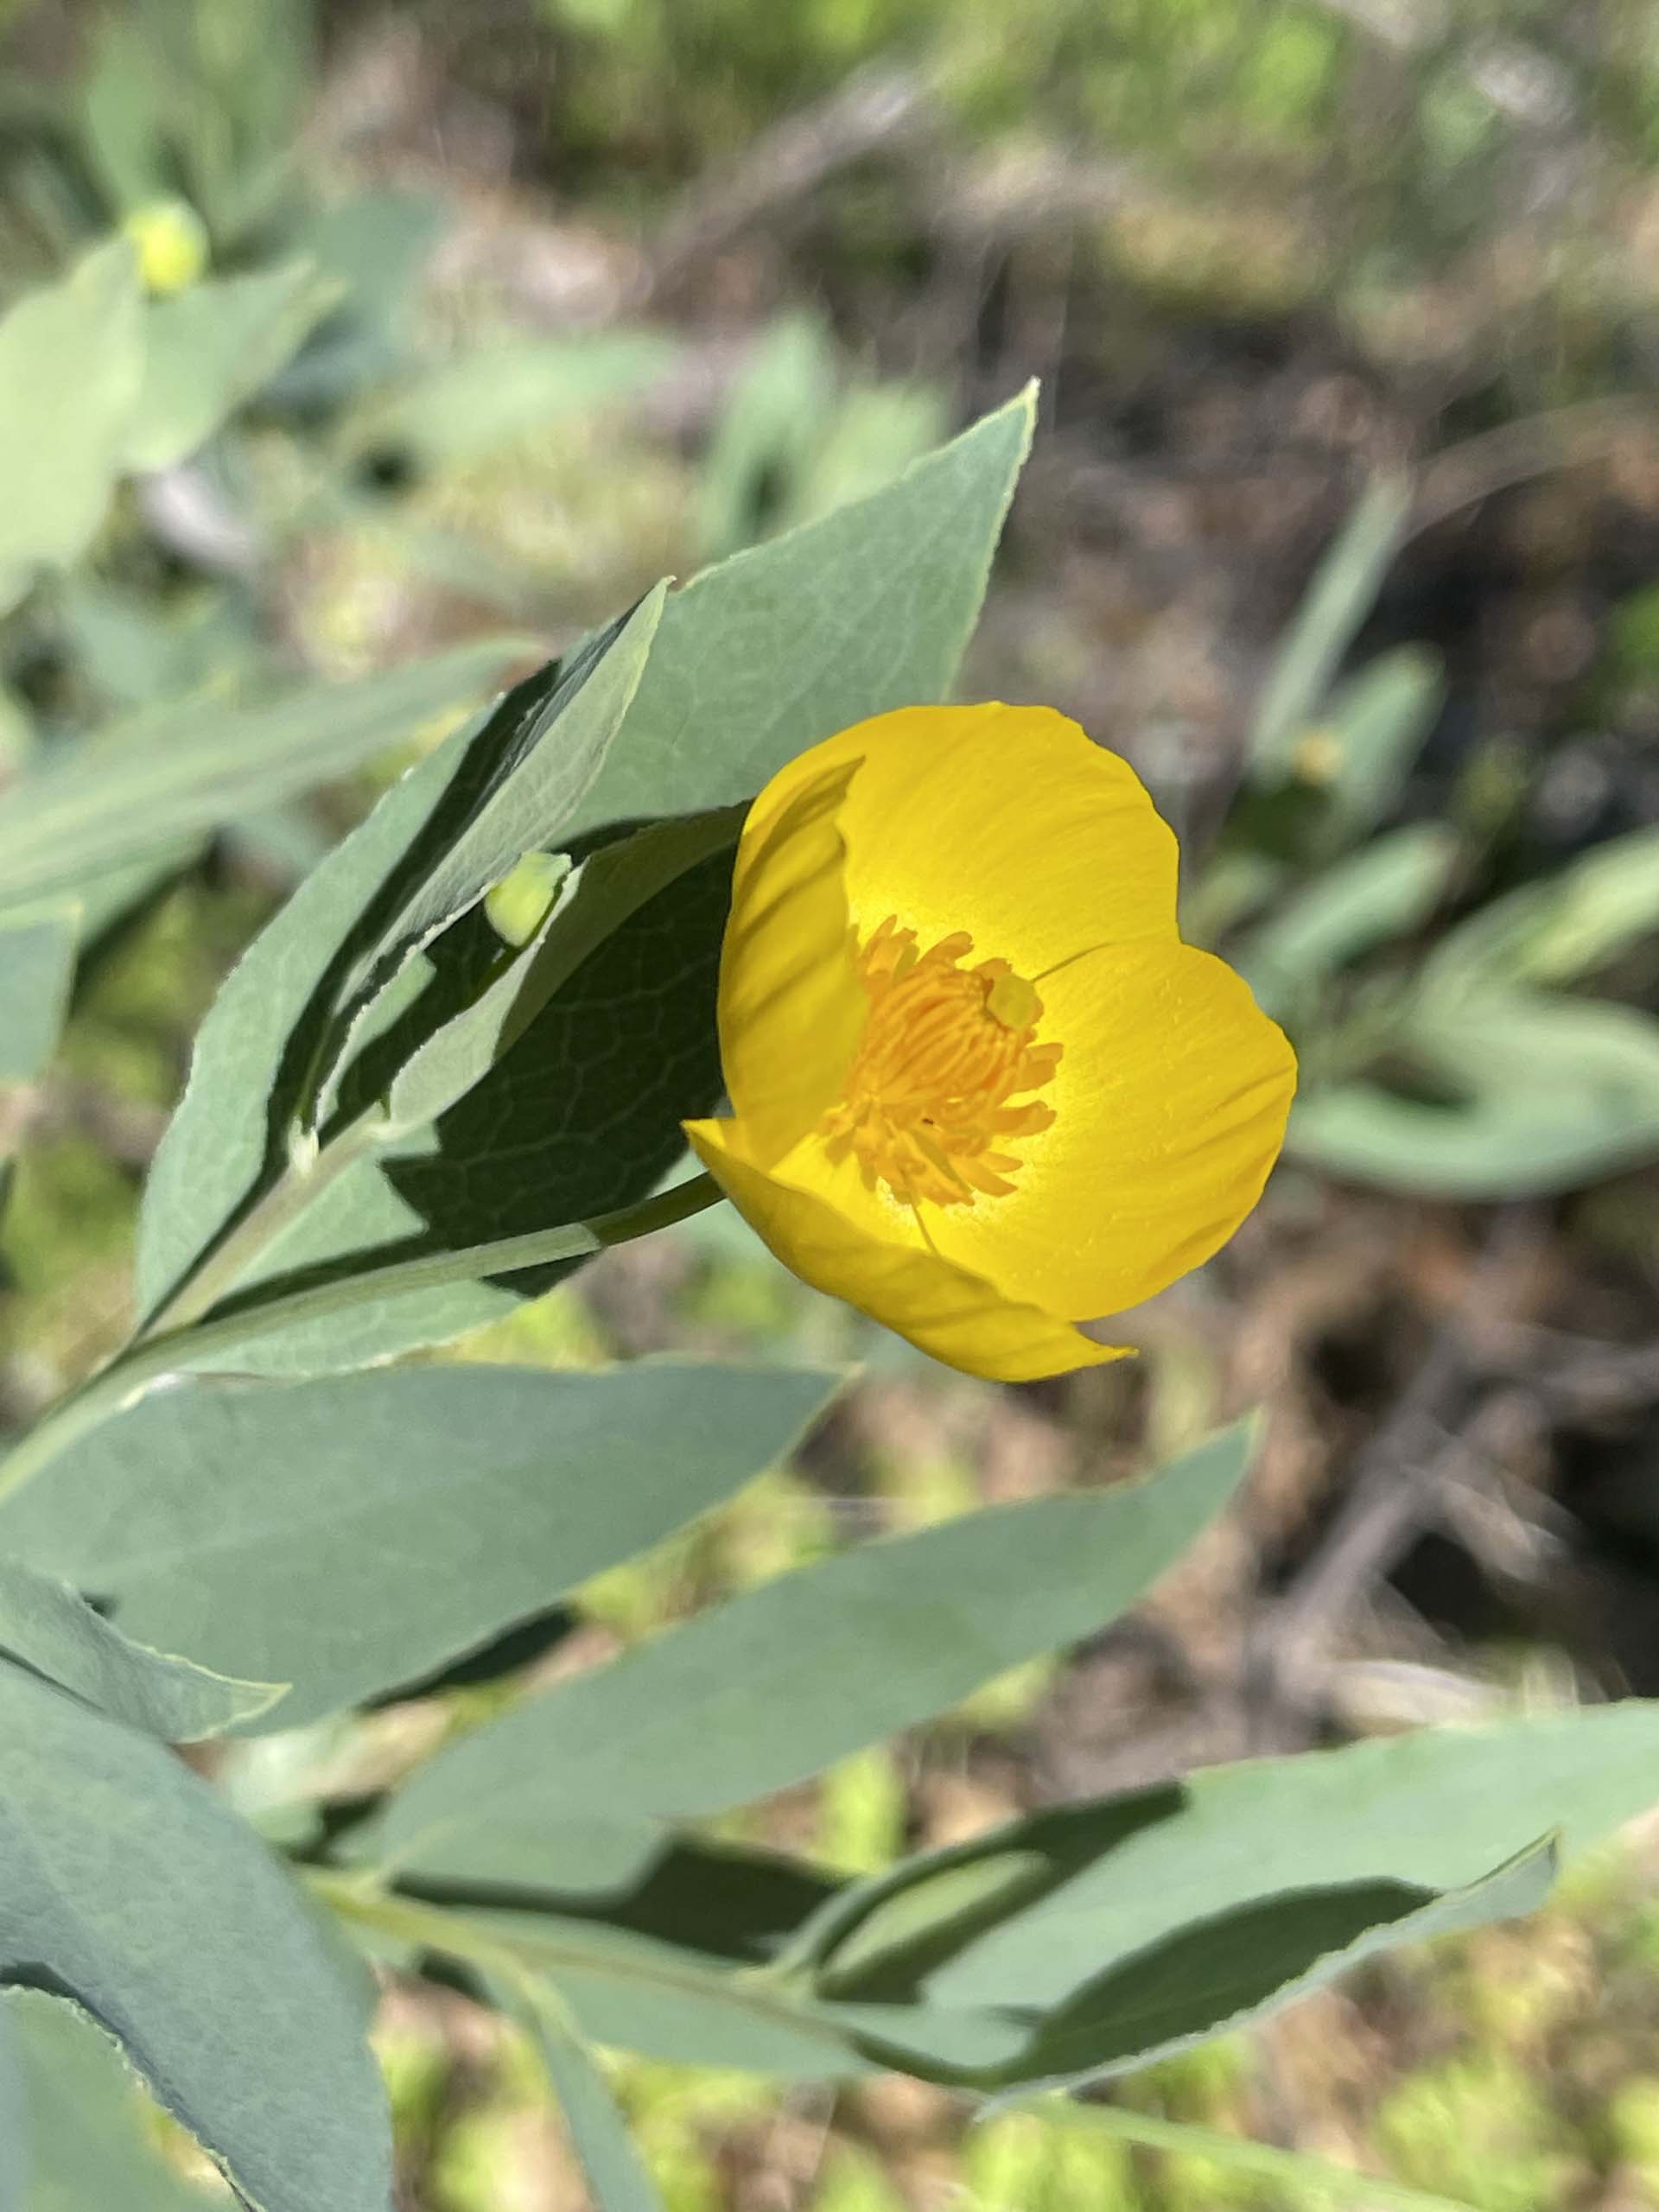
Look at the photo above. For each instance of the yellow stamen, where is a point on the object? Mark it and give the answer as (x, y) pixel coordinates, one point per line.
(926, 1107)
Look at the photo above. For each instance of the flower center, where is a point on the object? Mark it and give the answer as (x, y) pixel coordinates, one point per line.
(945, 1049)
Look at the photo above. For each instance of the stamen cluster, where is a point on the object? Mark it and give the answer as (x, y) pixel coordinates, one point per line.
(945, 1049)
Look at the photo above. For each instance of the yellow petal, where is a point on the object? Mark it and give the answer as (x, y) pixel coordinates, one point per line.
(957, 1316)
(1170, 1102)
(790, 1004)
(1009, 822)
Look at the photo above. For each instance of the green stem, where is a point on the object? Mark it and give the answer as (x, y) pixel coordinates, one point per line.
(268, 1308)
(361, 1898)
(289, 1197)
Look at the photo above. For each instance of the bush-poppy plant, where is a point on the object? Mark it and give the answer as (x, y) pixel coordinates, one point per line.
(979, 1086)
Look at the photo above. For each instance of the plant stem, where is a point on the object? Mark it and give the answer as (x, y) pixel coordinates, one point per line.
(288, 1198)
(269, 1307)
(550, 1945)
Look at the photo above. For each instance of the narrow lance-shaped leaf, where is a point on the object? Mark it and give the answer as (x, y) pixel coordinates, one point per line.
(1102, 1884)
(37, 964)
(350, 1533)
(1338, 601)
(615, 2172)
(126, 1887)
(776, 648)
(1576, 920)
(781, 1681)
(1383, 892)
(550, 740)
(578, 1118)
(209, 347)
(1552, 1092)
(71, 356)
(114, 799)
(1221, 1971)
(436, 839)
(1218, 1971)
(1377, 724)
(46, 1627)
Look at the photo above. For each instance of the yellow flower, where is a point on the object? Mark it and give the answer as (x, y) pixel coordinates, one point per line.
(979, 1086)
(171, 244)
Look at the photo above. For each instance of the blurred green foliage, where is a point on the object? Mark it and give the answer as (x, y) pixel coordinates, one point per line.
(1161, 73)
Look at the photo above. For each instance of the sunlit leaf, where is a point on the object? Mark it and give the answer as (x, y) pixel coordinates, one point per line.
(349, 1535)
(780, 1682)
(46, 1627)
(1103, 1884)
(128, 1887)
(434, 846)
(776, 648)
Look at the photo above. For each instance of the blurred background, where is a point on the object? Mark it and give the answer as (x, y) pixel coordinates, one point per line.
(1342, 521)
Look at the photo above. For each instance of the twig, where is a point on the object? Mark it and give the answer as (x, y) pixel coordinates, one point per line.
(1037, 190)
(1574, 1374)
(1387, 1504)
(1496, 461)
(1393, 1495)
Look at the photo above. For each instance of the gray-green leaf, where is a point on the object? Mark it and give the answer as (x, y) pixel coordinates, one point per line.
(48, 1628)
(1556, 1092)
(605, 893)
(779, 647)
(1377, 722)
(208, 347)
(127, 1886)
(71, 356)
(1106, 1882)
(434, 844)
(1338, 601)
(37, 964)
(581, 1116)
(117, 797)
(1574, 920)
(782, 1680)
(1387, 889)
(615, 2172)
(1218, 1972)
(350, 1533)
(550, 739)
